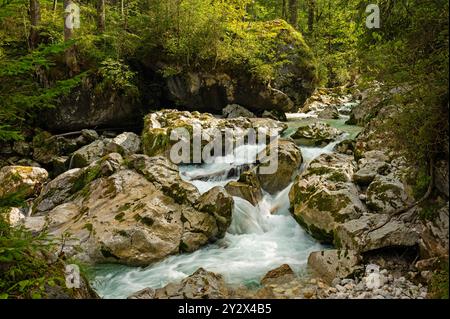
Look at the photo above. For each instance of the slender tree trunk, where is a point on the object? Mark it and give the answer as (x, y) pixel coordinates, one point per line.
(311, 15)
(70, 54)
(121, 8)
(283, 10)
(293, 12)
(101, 15)
(55, 5)
(35, 19)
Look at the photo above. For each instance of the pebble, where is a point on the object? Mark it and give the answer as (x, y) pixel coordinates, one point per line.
(391, 288)
(340, 288)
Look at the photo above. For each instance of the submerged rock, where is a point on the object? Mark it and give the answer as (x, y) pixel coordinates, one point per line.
(247, 187)
(278, 166)
(316, 134)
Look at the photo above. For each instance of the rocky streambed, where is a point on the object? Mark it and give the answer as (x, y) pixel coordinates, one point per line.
(319, 227)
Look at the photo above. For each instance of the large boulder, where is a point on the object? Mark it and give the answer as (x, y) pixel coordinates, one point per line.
(386, 194)
(20, 182)
(294, 75)
(201, 284)
(324, 197)
(88, 154)
(372, 164)
(316, 134)
(86, 106)
(287, 159)
(133, 215)
(234, 110)
(331, 264)
(247, 187)
(369, 107)
(363, 234)
(125, 144)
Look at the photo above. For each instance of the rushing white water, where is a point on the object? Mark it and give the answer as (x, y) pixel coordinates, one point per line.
(259, 239)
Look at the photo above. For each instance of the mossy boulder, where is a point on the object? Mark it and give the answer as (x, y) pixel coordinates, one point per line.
(386, 194)
(358, 234)
(316, 134)
(323, 196)
(278, 52)
(247, 187)
(134, 211)
(159, 126)
(20, 182)
(285, 157)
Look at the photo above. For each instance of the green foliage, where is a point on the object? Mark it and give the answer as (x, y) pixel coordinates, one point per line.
(117, 75)
(25, 272)
(410, 54)
(439, 282)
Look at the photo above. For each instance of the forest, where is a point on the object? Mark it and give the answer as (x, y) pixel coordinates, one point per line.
(356, 90)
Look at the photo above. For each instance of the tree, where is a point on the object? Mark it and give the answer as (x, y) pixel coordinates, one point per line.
(293, 12)
(101, 15)
(55, 5)
(70, 22)
(311, 15)
(35, 18)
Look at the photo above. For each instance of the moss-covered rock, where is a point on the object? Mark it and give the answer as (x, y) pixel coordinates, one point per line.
(323, 196)
(20, 182)
(386, 194)
(264, 52)
(316, 134)
(285, 157)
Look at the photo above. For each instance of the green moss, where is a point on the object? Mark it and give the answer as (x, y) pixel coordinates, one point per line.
(124, 207)
(338, 177)
(89, 174)
(147, 221)
(319, 234)
(439, 283)
(120, 217)
(89, 227)
(155, 141)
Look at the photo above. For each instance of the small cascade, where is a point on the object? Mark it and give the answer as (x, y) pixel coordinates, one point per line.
(260, 237)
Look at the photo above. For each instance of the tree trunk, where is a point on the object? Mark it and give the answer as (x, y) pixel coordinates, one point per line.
(101, 15)
(35, 19)
(121, 8)
(311, 15)
(283, 10)
(70, 53)
(55, 4)
(293, 12)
